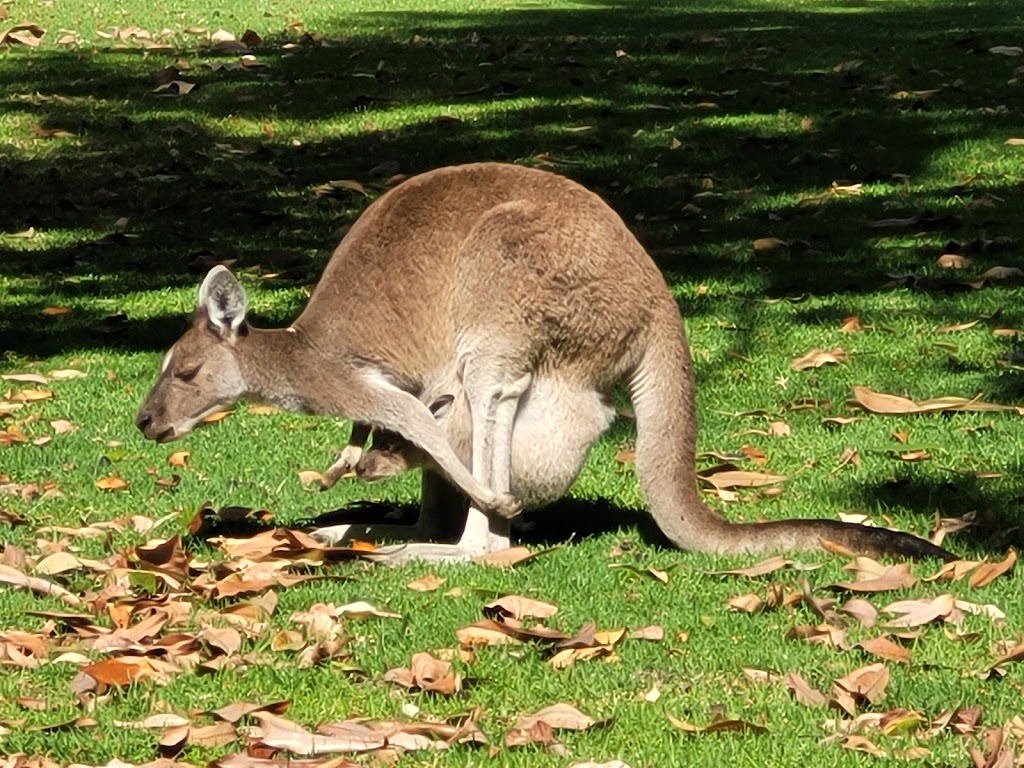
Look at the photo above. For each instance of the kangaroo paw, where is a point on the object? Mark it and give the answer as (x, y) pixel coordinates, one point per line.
(506, 506)
(401, 554)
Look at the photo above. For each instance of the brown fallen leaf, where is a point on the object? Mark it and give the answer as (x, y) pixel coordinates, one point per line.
(427, 674)
(278, 733)
(879, 402)
(885, 648)
(955, 327)
(859, 743)
(519, 607)
(25, 378)
(817, 357)
(737, 478)
(878, 578)
(112, 483)
(235, 711)
(310, 477)
(851, 324)
(952, 261)
(14, 577)
(509, 558)
(986, 573)
(803, 692)
(770, 565)
(719, 726)
(916, 613)
(178, 459)
(32, 395)
(865, 684)
(861, 610)
(559, 717)
(427, 583)
(23, 34)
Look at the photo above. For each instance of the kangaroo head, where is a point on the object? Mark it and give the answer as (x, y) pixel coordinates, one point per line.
(201, 372)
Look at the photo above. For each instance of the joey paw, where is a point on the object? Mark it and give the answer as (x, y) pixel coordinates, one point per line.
(345, 466)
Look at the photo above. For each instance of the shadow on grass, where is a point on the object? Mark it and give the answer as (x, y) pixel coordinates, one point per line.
(656, 107)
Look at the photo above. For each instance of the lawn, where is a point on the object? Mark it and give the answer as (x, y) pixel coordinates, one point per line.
(838, 176)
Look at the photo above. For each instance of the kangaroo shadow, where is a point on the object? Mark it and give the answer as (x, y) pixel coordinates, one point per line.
(564, 520)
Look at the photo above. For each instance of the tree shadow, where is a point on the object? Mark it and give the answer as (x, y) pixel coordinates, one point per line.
(753, 109)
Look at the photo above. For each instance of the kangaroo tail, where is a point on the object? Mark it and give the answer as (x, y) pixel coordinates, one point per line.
(662, 390)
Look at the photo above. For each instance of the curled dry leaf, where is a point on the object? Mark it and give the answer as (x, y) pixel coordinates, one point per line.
(885, 648)
(762, 568)
(427, 674)
(726, 725)
(880, 402)
(803, 692)
(308, 477)
(818, 357)
(952, 261)
(12, 576)
(986, 573)
(560, 717)
(882, 579)
(279, 733)
(509, 558)
(23, 34)
(769, 245)
(736, 478)
(426, 583)
(867, 683)
(25, 378)
(519, 607)
(917, 613)
(178, 459)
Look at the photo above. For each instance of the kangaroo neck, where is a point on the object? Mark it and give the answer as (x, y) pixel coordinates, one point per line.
(275, 364)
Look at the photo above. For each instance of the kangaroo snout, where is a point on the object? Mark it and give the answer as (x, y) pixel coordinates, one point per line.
(144, 421)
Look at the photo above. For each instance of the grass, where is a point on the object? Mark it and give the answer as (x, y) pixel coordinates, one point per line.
(706, 128)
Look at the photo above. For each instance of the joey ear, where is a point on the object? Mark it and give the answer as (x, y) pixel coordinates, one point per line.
(440, 406)
(223, 298)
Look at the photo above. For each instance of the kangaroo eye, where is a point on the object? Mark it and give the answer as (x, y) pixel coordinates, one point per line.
(187, 374)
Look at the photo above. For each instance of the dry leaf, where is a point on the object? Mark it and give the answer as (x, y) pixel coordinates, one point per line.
(736, 478)
(952, 261)
(24, 34)
(278, 733)
(519, 607)
(427, 583)
(817, 358)
(178, 459)
(112, 483)
(878, 402)
(509, 558)
(803, 692)
(850, 324)
(916, 613)
(558, 717)
(308, 477)
(885, 648)
(986, 573)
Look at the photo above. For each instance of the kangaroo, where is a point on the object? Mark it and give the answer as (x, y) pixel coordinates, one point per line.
(525, 296)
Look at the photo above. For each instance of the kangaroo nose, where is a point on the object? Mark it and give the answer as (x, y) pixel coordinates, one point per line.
(143, 420)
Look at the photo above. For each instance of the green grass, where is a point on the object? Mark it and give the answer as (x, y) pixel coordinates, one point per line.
(719, 125)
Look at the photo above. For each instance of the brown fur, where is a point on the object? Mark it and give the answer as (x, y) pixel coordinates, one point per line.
(526, 297)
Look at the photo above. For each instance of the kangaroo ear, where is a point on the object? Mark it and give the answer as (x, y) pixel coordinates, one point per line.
(223, 299)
